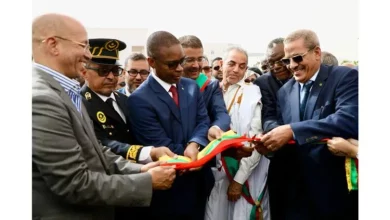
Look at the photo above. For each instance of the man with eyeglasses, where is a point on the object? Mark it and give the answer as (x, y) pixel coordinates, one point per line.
(73, 175)
(319, 102)
(206, 68)
(212, 93)
(272, 81)
(136, 72)
(216, 69)
(107, 108)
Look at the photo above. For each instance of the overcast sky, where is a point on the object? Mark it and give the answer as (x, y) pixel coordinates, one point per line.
(243, 22)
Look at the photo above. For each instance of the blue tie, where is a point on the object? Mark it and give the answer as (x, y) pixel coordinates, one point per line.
(305, 94)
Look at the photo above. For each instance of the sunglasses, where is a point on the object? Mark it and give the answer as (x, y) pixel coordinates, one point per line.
(297, 59)
(172, 65)
(216, 68)
(134, 72)
(105, 71)
(206, 68)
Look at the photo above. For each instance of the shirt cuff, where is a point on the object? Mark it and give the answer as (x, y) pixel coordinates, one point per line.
(216, 127)
(240, 178)
(144, 156)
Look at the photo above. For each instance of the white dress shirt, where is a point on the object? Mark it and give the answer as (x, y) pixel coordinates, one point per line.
(164, 84)
(313, 78)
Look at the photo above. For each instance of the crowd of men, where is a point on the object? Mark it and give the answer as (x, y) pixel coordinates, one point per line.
(97, 141)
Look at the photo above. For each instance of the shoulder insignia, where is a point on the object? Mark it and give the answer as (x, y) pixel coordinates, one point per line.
(88, 95)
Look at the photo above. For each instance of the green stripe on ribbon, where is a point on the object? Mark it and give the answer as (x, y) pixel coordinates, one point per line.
(354, 175)
(213, 145)
(202, 78)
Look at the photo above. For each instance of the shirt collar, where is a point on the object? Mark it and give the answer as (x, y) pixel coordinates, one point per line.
(164, 84)
(313, 78)
(67, 83)
(103, 97)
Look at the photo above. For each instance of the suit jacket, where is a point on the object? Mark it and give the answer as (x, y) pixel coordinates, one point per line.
(269, 87)
(113, 132)
(216, 107)
(72, 174)
(157, 121)
(331, 111)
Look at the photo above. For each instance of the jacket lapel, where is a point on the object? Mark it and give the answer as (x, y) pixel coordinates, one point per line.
(122, 105)
(183, 104)
(294, 100)
(315, 91)
(86, 124)
(164, 96)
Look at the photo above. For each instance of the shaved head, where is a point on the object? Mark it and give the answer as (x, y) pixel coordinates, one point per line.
(56, 40)
(160, 39)
(49, 25)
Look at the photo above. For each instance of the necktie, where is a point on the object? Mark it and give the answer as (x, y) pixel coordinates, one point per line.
(305, 95)
(110, 101)
(175, 96)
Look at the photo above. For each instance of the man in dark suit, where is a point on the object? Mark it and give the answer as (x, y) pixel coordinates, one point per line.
(107, 108)
(271, 82)
(212, 93)
(319, 102)
(168, 110)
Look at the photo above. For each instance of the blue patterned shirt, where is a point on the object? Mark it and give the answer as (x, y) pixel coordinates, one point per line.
(72, 87)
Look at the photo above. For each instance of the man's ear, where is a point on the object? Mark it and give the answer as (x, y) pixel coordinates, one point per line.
(83, 73)
(152, 62)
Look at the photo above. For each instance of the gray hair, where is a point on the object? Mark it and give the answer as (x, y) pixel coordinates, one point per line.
(329, 59)
(235, 48)
(309, 37)
(134, 57)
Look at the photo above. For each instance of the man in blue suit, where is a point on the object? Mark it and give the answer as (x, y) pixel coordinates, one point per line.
(319, 102)
(212, 93)
(168, 110)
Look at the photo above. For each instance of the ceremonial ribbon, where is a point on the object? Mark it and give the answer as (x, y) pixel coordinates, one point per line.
(229, 139)
(352, 170)
(202, 81)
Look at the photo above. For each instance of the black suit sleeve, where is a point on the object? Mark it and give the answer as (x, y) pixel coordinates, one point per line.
(268, 112)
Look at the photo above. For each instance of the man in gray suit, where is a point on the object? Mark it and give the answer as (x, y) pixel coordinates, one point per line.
(74, 176)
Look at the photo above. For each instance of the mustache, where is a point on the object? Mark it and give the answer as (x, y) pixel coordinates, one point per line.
(193, 69)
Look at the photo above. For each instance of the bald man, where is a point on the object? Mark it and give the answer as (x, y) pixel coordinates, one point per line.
(74, 176)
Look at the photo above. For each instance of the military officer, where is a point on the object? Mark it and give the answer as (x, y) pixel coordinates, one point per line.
(107, 108)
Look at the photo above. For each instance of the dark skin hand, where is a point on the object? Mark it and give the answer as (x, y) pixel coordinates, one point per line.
(234, 191)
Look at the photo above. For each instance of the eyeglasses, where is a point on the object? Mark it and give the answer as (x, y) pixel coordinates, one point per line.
(134, 72)
(216, 68)
(84, 46)
(105, 71)
(172, 65)
(297, 59)
(206, 68)
(272, 64)
(264, 67)
(191, 60)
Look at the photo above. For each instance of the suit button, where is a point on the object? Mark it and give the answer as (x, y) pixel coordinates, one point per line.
(110, 133)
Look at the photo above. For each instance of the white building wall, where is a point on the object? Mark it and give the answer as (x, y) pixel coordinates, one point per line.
(135, 38)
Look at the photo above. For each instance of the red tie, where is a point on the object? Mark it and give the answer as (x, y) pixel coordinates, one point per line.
(175, 96)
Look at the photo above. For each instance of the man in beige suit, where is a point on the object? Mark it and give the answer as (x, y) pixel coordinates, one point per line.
(74, 176)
